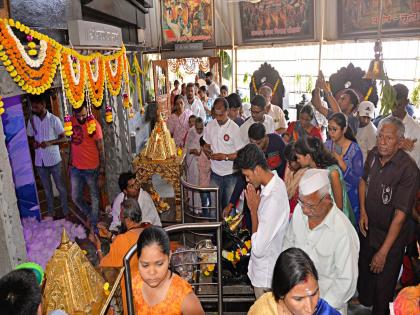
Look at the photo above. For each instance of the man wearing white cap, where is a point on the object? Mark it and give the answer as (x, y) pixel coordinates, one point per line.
(366, 133)
(323, 231)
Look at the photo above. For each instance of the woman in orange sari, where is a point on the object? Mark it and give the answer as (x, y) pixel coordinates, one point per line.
(156, 289)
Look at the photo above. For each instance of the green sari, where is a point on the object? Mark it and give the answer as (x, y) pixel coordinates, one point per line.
(347, 209)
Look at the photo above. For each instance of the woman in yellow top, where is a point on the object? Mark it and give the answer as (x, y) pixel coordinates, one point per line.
(295, 288)
(156, 289)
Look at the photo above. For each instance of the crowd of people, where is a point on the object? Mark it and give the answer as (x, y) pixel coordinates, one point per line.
(340, 188)
(331, 200)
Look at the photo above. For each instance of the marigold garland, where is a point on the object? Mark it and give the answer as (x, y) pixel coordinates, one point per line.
(96, 80)
(114, 78)
(74, 87)
(33, 80)
(33, 68)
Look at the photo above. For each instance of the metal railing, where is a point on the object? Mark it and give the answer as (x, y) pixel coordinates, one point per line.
(188, 201)
(186, 227)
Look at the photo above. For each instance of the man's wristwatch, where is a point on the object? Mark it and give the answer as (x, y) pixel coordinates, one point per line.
(227, 157)
(329, 93)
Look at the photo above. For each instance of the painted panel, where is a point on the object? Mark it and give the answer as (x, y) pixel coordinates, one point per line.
(20, 157)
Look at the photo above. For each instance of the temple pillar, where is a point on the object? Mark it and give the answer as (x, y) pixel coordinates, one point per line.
(12, 243)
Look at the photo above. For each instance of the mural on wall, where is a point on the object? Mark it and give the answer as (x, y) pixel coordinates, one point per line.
(277, 20)
(359, 17)
(186, 21)
(20, 157)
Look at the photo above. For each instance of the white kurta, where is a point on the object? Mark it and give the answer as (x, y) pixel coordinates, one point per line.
(268, 124)
(412, 131)
(366, 139)
(278, 116)
(334, 247)
(267, 242)
(147, 207)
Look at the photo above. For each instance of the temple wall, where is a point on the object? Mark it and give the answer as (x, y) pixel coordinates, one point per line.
(12, 243)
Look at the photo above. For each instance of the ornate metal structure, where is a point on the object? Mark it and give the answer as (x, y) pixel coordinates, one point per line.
(352, 77)
(266, 75)
(72, 284)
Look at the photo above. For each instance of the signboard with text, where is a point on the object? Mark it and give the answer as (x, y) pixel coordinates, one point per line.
(272, 20)
(85, 33)
(358, 19)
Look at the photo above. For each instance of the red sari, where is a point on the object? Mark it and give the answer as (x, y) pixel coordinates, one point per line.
(296, 131)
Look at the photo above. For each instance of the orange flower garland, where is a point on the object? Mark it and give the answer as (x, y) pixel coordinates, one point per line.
(30, 79)
(33, 66)
(96, 82)
(114, 76)
(114, 71)
(74, 90)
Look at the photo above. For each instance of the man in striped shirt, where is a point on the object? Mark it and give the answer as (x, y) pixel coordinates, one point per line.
(45, 132)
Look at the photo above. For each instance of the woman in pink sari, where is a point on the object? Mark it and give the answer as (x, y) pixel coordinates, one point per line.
(178, 122)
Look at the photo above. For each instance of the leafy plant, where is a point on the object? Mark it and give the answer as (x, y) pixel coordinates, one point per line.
(247, 78)
(415, 95)
(226, 64)
(309, 85)
(388, 97)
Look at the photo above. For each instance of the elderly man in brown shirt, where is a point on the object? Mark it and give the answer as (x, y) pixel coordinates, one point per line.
(387, 194)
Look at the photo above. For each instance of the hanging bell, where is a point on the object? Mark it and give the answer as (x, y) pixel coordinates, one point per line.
(376, 67)
(376, 70)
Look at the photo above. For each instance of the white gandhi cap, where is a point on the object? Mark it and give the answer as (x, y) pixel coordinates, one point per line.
(313, 180)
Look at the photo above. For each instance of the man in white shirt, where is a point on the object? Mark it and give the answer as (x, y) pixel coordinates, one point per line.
(193, 103)
(46, 132)
(323, 231)
(411, 143)
(257, 115)
(222, 142)
(269, 215)
(129, 189)
(280, 124)
(213, 88)
(366, 133)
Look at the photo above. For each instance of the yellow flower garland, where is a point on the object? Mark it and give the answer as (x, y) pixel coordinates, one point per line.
(96, 88)
(33, 80)
(35, 76)
(74, 90)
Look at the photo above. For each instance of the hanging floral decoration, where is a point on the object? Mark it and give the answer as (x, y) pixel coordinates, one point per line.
(91, 127)
(369, 92)
(74, 78)
(33, 63)
(1, 106)
(108, 114)
(68, 127)
(96, 78)
(114, 71)
(33, 75)
(137, 72)
(108, 108)
(276, 85)
(254, 85)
